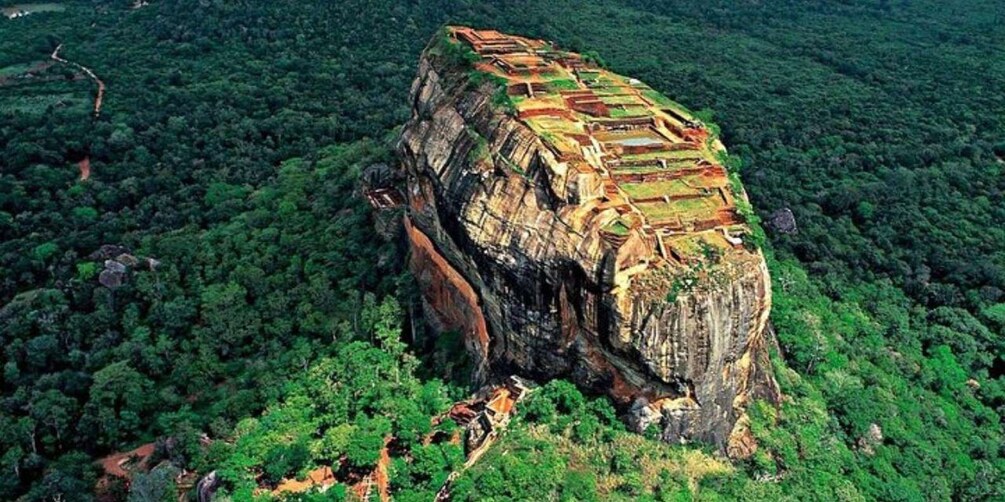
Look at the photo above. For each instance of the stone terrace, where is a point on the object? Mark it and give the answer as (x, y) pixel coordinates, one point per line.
(656, 163)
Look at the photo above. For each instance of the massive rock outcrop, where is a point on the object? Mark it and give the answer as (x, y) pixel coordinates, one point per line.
(574, 223)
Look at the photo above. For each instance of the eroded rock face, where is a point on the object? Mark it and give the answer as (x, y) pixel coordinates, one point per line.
(512, 248)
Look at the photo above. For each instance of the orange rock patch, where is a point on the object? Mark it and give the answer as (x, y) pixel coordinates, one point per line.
(447, 292)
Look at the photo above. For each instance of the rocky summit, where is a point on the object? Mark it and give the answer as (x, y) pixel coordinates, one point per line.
(571, 222)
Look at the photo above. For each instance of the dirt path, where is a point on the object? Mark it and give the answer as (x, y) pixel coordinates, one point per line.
(114, 463)
(321, 477)
(380, 474)
(84, 166)
(85, 163)
(101, 85)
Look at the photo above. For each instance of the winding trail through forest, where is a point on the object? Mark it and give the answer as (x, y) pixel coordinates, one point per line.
(101, 85)
(85, 163)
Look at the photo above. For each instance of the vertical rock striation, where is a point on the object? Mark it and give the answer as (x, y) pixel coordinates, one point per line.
(547, 249)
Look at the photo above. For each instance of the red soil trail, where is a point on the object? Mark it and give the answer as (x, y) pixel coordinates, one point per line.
(85, 168)
(380, 475)
(322, 476)
(113, 464)
(85, 163)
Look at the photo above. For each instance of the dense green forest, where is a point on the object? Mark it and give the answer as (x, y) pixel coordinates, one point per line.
(272, 331)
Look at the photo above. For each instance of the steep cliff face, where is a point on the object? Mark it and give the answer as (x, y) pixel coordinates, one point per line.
(573, 223)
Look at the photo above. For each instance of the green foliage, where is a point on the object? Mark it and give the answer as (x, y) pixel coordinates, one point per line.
(233, 311)
(45, 251)
(480, 150)
(209, 156)
(284, 459)
(158, 485)
(500, 98)
(558, 85)
(335, 442)
(366, 442)
(732, 163)
(119, 398)
(454, 54)
(565, 446)
(345, 408)
(531, 470)
(593, 57)
(684, 283)
(85, 215)
(579, 486)
(87, 270)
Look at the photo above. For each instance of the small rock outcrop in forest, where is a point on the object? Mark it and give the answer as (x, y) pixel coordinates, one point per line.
(571, 222)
